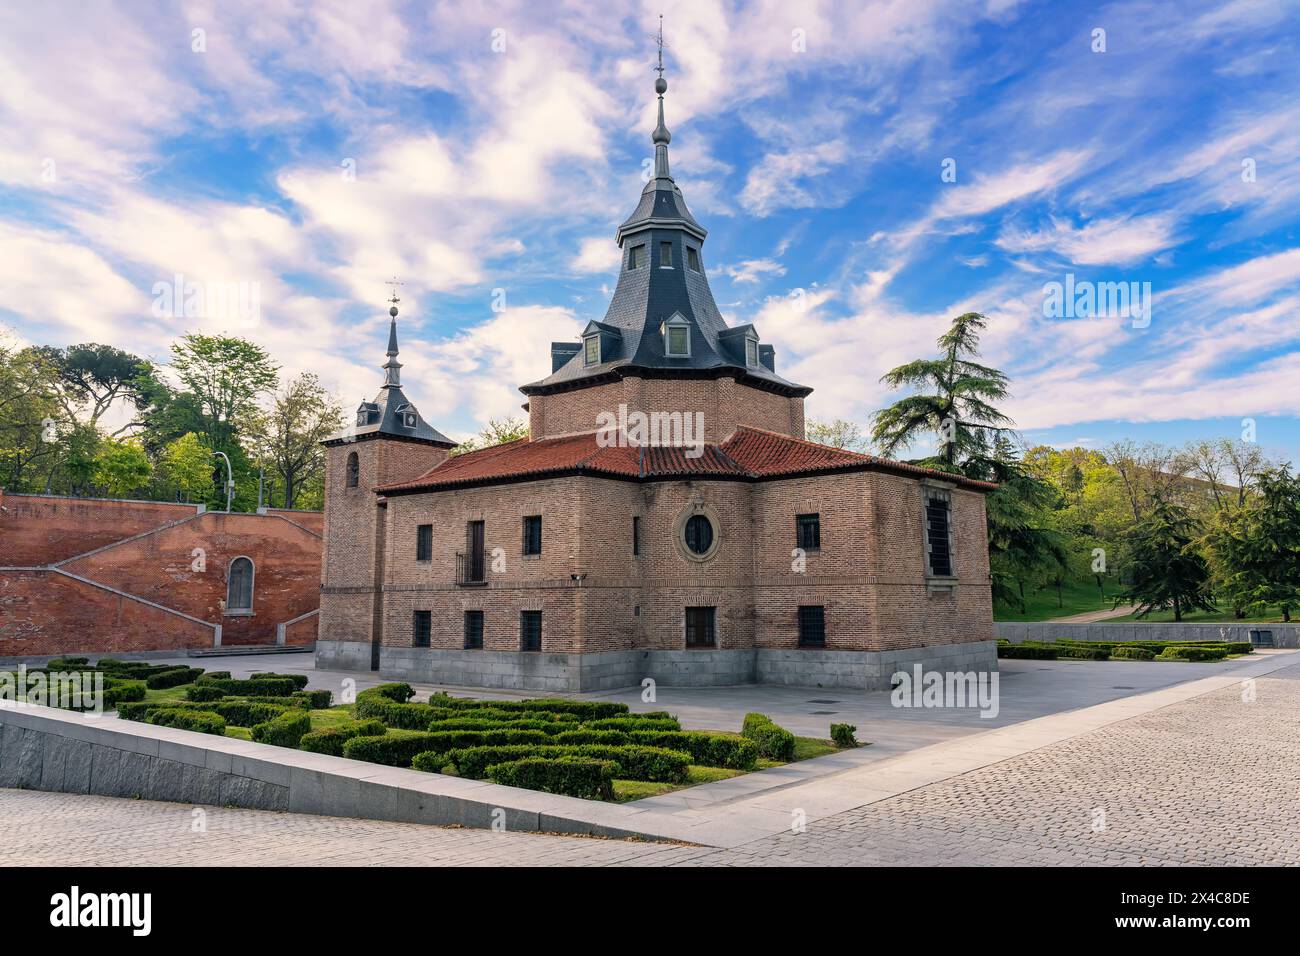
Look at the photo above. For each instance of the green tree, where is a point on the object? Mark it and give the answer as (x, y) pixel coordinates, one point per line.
(837, 434)
(496, 432)
(953, 399)
(32, 422)
(92, 377)
(1255, 550)
(187, 466)
(1165, 567)
(122, 467)
(302, 415)
(226, 375)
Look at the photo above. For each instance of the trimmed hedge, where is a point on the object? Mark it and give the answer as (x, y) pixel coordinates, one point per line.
(1173, 653)
(300, 680)
(204, 721)
(570, 775)
(842, 735)
(773, 742)
(215, 675)
(579, 736)
(285, 730)
(259, 687)
(394, 714)
(173, 677)
(201, 692)
(1132, 654)
(330, 740)
(122, 691)
(1032, 652)
(634, 722)
(396, 691)
(651, 764)
(313, 699)
(705, 749)
(398, 750)
(584, 709)
(66, 663)
(1077, 653)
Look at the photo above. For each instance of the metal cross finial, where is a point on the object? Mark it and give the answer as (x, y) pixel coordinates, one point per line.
(659, 40)
(394, 283)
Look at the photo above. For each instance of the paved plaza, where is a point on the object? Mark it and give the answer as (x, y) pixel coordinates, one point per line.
(1211, 779)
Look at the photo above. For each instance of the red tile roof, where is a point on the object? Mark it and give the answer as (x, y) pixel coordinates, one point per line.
(749, 454)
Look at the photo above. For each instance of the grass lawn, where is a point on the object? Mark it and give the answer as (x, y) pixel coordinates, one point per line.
(168, 693)
(1077, 597)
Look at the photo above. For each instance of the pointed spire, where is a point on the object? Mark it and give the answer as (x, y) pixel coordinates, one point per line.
(393, 368)
(661, 137)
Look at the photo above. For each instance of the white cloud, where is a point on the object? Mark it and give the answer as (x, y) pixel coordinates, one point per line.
(1117, 241)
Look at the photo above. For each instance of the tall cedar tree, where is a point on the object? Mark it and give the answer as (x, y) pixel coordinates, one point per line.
(1167, 570)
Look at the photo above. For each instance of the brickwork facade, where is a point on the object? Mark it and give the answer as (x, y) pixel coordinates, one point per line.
(723, 402)
(151, 577)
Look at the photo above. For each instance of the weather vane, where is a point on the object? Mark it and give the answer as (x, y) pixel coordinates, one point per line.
(659, 38)
(394, 283)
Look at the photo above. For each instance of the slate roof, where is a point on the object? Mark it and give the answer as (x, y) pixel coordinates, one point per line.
(646, 297)
(387, 414)
(750, 454)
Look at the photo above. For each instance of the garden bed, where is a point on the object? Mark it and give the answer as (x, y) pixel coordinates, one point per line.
(592, 749)
(1199, 651)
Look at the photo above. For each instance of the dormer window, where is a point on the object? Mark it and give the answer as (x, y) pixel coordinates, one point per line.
(410, 419)
(751, 352)
(665, 255)
(635, 257)
(362, 418)
(677, 337)
(591, 350)
(406, 416)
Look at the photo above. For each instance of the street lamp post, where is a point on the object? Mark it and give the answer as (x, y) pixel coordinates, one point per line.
(230, 479)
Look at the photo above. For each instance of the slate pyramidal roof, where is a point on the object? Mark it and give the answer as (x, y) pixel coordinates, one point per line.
(391, 415)
(658, 291)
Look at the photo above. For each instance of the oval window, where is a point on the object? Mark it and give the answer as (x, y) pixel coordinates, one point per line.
(699, 534)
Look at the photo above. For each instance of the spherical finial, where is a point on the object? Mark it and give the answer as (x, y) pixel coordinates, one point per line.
(661, 86)
(393, 311)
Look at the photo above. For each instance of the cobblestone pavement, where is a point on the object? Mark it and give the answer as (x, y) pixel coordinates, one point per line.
(1212, 780)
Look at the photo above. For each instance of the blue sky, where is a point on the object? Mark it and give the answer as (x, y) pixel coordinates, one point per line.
(496, 146)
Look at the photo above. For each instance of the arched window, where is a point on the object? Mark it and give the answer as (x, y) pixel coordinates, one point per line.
(239, 589)
(354, 470)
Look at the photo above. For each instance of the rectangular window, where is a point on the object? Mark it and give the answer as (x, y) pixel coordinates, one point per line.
(592, 345)
(634, 257)
(473, 630)
(938, 545)
(751, 352)
(808, 532)
(665, 255)
(530, 630)
(533, 534)
(423, 628)
(424, 542)
(812, 626)
(693, 258)
(699, 626)
(679, 340)
(636, 535)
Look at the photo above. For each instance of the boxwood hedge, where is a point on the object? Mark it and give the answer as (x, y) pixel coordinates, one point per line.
(330, 740)
(773, 742)
(285, 730)
(570, 775)
(203, 721)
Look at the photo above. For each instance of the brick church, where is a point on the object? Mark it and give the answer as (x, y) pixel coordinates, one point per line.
(664, 519)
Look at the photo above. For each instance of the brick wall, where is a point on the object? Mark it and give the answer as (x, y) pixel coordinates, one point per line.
(869, 573)
(164, 568)
(723, 402)
(166, 554)
(46, 613)
(42, 529)
(353, 526)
